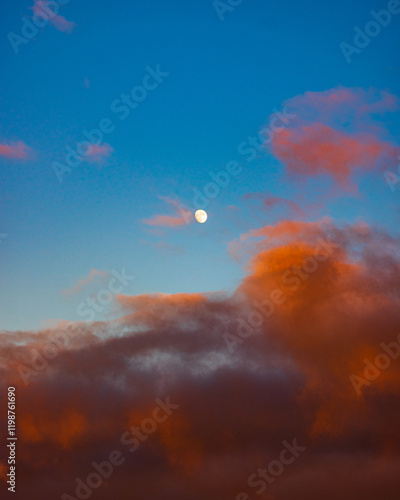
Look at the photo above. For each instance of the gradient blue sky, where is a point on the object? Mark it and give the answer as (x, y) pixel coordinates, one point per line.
(226, 78)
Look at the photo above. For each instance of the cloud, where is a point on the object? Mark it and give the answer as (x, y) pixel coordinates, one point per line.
(99, 153)
(84, 282)
(15, 150)
(183, 216)
(41, 7)
(165, 221)
(319, 149)
(339, 132)
(288, 378)
(354, 108)
(61, 24)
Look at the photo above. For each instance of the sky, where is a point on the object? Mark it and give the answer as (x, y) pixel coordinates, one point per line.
(282, 121)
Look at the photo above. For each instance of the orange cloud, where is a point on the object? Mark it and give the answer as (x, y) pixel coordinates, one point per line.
(339, 301)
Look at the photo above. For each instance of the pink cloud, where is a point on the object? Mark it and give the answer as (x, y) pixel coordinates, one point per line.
(165, 220)
(60, 23)
(183, 216)
(319, 149)
(337, 132)
(343, 106)
(99, 153)
(40, 7)
(15, 150)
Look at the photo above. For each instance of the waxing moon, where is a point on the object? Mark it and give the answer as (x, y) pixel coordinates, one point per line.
(201, 216)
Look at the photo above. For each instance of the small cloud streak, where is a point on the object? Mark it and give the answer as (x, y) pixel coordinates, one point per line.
(340, 105)
(83, 282)
(99, 153)
(165, 221)
(15, 150)
(40, 7)
(183, 216)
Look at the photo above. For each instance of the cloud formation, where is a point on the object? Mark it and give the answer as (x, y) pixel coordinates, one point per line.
(338, 133)
(287, 378)
(182, 217)
(99, 153)
(356, 108)
(315, 149)
(15, 150)
(84, 282)
(41, 7)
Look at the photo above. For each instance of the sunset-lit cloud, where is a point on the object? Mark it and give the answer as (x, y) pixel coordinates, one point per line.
(200, 246)
(99, 153)
(353, 107)
(15, 150)
(339, 133)
(319, 149)
(84, 282)
(182, 217)
(59, 22)
(333, 313)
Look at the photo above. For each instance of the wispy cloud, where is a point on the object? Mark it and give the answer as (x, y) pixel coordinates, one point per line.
(59, 22)
(15, 150)
(99, 153)
(183, 216)
(165, 220)
(353, 107)
(84, 282)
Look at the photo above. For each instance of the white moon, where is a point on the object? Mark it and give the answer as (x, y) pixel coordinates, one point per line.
(201, 216)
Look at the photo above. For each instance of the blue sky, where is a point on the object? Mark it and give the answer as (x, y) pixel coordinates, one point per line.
(225, 79)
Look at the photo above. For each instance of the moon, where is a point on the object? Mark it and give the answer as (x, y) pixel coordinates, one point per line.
(201, 216)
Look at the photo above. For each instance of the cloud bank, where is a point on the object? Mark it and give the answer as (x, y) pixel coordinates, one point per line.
(317, 301)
